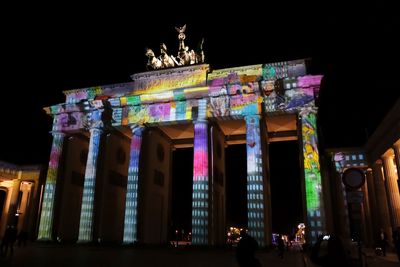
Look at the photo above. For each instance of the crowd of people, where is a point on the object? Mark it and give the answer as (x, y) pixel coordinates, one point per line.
(11, 236)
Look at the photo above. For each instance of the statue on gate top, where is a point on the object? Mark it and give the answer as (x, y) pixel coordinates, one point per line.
(184, 57)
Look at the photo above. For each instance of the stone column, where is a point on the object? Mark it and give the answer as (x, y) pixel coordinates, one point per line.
(312, 175)
(367, 218)
(396, 148)
(131, 200)
(392, 190)
(372, 202)
(342, 209)
(86, 217)
(46, 215)
(200, 203)
(255, 181)
(381, 200)
(23, 209)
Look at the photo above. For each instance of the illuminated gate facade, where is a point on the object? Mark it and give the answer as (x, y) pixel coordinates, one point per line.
(109, 177)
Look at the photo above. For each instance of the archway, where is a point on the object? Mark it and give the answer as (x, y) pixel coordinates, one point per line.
(181, 199)
(286, 189)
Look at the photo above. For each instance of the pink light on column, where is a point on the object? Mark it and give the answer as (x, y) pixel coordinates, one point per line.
(200, 164)
(200, 185)
(46, 216)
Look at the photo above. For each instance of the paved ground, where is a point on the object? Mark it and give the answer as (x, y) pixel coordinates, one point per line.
(370, 259)
(373, 260)
(43, 255)
(58, 256)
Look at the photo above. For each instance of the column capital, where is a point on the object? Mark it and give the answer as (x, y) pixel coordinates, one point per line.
(200, 121)
(307, 110)
(96, 129)
(249, 118)
(396, 145)
(389, 154)
(61, 134)
(137, 129)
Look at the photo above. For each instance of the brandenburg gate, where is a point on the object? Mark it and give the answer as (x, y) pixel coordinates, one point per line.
(109, 177)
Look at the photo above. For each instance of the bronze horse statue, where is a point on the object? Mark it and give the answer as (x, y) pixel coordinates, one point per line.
(166, 61)
(184, 57)
(153, 63)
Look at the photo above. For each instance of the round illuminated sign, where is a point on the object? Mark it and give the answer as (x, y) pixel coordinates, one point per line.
(353, 178)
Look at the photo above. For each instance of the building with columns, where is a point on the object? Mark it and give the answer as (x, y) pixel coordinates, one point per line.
(109, 176)
(383, 154)
(20, 188)
(379, 205)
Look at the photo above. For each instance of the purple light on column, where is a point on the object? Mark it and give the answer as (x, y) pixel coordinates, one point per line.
(86, 217)
(200, 164)
(200, 184)
(255, 184)
(46, 216)
(130, 222)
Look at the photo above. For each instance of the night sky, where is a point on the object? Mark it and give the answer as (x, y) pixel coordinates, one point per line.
(50, 49)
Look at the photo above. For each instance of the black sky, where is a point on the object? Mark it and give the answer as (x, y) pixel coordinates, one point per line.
(48, 49)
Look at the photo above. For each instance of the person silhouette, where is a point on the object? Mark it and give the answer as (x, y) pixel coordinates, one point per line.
(281, 246)
(22, 238)
(246, 248)
(9, 238)
(383, 241)
(332, 254)
(396, 241)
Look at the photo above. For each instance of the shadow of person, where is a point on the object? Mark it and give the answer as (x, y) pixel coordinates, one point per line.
(245, 250)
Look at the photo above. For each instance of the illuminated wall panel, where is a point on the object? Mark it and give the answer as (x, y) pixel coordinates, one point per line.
(312, 175)
(200, 185)
(255, 185)
(46, 217)
(86, 218)
(130, 222)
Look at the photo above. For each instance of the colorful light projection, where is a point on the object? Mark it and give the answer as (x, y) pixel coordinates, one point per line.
(130, 222)
(159, 112)
(349, 159)
(86, 217)
(177, 104)
(255, 185)
(242, 75)
(111, 90)
(290, 93)
(200, 184)
(74, 96)
(219, 102)
(314, 197)
(167, 79)
(46, 217)
(278, 70)
(69, 121)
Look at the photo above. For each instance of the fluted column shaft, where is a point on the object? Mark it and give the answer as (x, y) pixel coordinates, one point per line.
(312, 175)
(46, 216)
(392, 190)
(131, 200)
(87, 209)
(255, 182)
(372, 202)
(381, 200)
(366, 211)
(200, 205)
(396, 148)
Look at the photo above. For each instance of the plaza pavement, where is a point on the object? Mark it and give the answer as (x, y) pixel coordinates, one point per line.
(57, 255)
